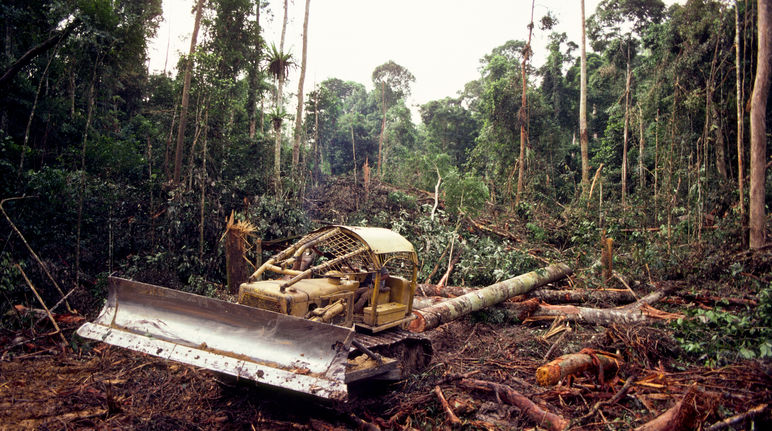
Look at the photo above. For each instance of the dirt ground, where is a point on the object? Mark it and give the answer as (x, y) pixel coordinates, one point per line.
(96, 386)
(85, 385)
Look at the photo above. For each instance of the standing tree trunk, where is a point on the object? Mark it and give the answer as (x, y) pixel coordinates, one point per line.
(277, 122)
(89, 116)
(757, 220)
(299, 112)
(524, 110)
(186, 95)
(254, 76)
(626, 128)
(354, 152)
(583, 136)
(642, 178)
(740, 112)
(383, 127)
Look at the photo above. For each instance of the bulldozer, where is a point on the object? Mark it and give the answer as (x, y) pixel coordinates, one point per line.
(333, 313)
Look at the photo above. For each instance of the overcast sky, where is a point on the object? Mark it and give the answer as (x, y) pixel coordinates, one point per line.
(439, 41)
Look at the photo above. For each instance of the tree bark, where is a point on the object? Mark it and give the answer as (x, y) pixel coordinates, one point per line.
(523, 115)
(299, 112)
(567, 365)
(684, 415)
(186, 94)
(757, 216)
(254, 76)
(740, 111)
(383, 127)
(583, 135)
(537, 415)
(626, 128)
(452, 309)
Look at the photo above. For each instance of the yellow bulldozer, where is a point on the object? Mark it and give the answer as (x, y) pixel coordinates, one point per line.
(332, 313)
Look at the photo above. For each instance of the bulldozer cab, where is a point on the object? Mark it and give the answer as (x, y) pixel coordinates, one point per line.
(349, 276)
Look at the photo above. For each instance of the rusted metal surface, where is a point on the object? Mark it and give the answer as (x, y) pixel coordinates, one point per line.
(241, 341)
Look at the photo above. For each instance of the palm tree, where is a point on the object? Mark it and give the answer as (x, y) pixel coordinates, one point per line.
(279, 64)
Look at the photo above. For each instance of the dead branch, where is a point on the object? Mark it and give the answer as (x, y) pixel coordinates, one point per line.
(45, 307)
(454, 420)
(613, 400)
(37, 259)
(735, 420)
(538, 415)
(682, 416)
(491, 230)
(604, 364)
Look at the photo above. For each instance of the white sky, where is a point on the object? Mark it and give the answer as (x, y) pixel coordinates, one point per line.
(439, 41)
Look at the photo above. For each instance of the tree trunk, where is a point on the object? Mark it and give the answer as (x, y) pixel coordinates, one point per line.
(567, 365)
(720, 144)
(89, 116)
(583, 135)
(383, 127)
(354, 152)
(299, 112)
(641, 174)
(254, 76)
(740, 111)
(32, 113)
(452, 309)
(277, 126)
(524, 110)
(186, 94)
(757, 216)
(626, 128)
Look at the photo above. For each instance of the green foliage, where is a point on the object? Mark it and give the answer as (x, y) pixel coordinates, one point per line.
(718, 337)
(465, 193)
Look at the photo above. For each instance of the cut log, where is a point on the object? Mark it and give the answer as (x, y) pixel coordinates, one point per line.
(603, 364)
(444, 291)
(616, 296)
(431, 317)
(637, 312)
(682, 416)
(421, 302)
(510, 396)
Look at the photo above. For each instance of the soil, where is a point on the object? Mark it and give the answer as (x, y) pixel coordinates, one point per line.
(45, 385)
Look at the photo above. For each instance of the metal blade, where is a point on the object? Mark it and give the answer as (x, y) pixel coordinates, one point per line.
(234, 339)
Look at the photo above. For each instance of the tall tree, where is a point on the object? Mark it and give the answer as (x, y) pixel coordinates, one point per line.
(185, 94)
(299, 112)
(740, 106)
(583, 136)
(523, 114)
(279, 67)
(254, 73)
(394, 82)
(757, 217)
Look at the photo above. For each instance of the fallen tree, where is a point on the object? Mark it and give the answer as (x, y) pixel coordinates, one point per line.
(435, 315)
(637, 312)
(605, 365)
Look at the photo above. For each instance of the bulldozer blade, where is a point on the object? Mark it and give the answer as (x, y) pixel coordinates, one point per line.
(245, 342)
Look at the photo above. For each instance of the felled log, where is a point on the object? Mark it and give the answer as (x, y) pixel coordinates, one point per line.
(421, 302)
(444, 291)
(682, 416)
(431, 317)
(637, 312)
(538, 415)
(616, 296)
(602, 364)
